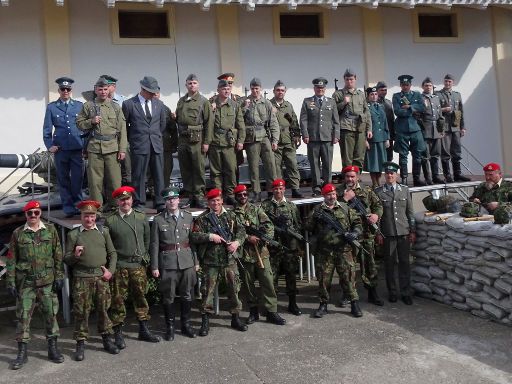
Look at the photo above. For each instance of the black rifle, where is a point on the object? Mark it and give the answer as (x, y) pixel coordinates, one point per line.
(222, 232)
(336, 225)
(282, 227)
(90, 133)
(251, 231)
(359, 207)
(336, 84)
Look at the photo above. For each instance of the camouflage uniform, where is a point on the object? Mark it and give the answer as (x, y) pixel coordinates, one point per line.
(34, 262)
(216, 261)
(500, 193)
(333, 252)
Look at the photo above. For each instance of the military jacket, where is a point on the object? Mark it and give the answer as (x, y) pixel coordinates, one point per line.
(34, 258)
(170, 243)
(257, 115)
(327, 238)
(432, 119)
(130, 236)
(319, 123)
(285, 215)
(370, 201)
(253, 216)
(229, 127)
(380, 129)
(194, 117)
(407, 119)
(110, 134)
(499, 193)
(236, 98)
(98, 251)
(208, 252)
(454, 120)
(354, 115)
(288, 129)
(398, 215)
(390, 115)
(60, 128)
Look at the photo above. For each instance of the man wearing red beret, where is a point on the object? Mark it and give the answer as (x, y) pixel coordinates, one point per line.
(494, 190)
(34, 274)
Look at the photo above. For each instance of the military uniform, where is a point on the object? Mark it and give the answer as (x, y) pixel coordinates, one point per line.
(105, 141)
(355, 123)
(286, 150)
(432, 124)
(390, 117)
(194, 118)
(501, 193)
(376, 155)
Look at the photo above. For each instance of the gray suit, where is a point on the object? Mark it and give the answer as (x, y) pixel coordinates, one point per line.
(321, 124)
(146, 147)
(396, 223)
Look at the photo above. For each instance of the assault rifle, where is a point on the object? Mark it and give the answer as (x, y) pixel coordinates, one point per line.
(222, 232)
(359, 207)
(282, 227)
(251, 231)
(336, 226)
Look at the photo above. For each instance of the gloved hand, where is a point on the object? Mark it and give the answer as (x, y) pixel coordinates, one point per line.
(351, 236)
(58, 284)
(12, 291)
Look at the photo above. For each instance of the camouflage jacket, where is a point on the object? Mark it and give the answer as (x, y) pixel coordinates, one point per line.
(253, 216)
(210, 253)
(285, 215)
(327, 238)
(370, 201)
(34, 258)
(501, 193)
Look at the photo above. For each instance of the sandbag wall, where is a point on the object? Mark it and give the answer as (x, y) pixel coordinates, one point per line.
(467, 265)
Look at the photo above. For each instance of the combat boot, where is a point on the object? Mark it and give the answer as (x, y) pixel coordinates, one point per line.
(321, 311)
(145, 334)
(296, 194)
(205, 325)
(437, 180)
(426, 172)
(21, 358)
(416, 170)
(80, 350)
(53, 352)
(446, 171)
(108, 344)
(186, 329)
(373, 297)
(274, 318)
(457, 173)
(237, 324)
(354, 309)
(118, 337)
(254, 315)
(293, 307)
(169, 314)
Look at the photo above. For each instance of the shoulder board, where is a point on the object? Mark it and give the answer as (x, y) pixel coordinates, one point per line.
(379, 189)
(139, 211)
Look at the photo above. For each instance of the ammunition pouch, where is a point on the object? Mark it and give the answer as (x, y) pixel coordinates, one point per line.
(195, 133)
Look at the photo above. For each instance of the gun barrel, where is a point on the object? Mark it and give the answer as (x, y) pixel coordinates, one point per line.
(15, 161)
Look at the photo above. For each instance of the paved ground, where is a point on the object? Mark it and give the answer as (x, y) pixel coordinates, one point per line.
(425, 343)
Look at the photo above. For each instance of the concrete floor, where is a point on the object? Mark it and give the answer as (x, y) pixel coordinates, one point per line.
(424, 343)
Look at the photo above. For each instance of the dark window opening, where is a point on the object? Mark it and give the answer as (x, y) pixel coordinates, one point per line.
(301, 25)
(143, 25)
(437, 25)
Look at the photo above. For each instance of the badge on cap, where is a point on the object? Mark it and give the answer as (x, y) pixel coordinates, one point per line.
(123, 192)
(33, 204)
(239, 188)
(89, 206)
(278, 183)
(350, 168)
(492, 167)
(213, 193)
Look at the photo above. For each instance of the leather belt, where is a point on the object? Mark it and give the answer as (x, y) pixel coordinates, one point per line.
(104, 137)
(174, 247)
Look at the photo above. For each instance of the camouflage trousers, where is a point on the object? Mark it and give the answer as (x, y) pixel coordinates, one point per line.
(26, 302)
(369, 271)
(343, 262)
(212, 274)
(253, 272)
(135, 282)
(286, 263)
(86, 292)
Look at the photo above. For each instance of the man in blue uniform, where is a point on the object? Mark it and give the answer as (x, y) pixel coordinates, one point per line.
(62, 138)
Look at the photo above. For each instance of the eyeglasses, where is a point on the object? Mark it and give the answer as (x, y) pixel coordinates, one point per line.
(33, 212)
(65, 89)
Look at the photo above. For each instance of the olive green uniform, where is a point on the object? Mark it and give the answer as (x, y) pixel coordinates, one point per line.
(355, 123)
(34, 262)
(106, 140)
(194, 117)
(261, 131)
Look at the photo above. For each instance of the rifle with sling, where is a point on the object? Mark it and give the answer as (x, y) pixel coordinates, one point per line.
(222, 232)
(338, 228)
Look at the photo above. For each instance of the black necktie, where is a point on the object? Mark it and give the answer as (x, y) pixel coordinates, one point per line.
(146, 108)
(320, 102)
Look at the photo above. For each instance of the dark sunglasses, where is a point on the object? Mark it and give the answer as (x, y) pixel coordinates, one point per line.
(65, 89)
(33, 212)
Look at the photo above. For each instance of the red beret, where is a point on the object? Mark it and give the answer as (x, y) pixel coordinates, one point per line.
(239, 188)
(89, 206)
(213, 193)
(492, 167)
(328, 188)
(31, 205)
(278, 183)
(123, 192)
(350, 168)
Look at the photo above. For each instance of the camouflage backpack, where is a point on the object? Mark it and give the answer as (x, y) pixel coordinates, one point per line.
(503, 214)
(470, 210)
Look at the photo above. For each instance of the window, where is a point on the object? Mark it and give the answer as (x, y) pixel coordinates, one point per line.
(306, 25)
(436, 27)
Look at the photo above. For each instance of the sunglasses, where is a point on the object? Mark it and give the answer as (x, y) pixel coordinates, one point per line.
(65, 89)
(33, 212)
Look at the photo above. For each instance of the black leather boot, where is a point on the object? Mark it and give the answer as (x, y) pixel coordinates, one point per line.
(169, 313)
(237, 324)
(53, 352)
(437, 180)
(354, 309)
(21, 358)
(145, 334)
(373, 297)
(293, 307)
(118, 337)
(80, 350)
(254, 315)
(457, 173)
(321, 311)
(108, 344)
(205, 325)
(416, 171)
(425, 166)
(446, 171)
(274, 318)
(186, 329)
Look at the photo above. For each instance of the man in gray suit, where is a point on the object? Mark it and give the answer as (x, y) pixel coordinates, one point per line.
(145, 124)
(320, 127)
(399, 230)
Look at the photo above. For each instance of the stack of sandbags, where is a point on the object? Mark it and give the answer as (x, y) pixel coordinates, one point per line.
(464, 264)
